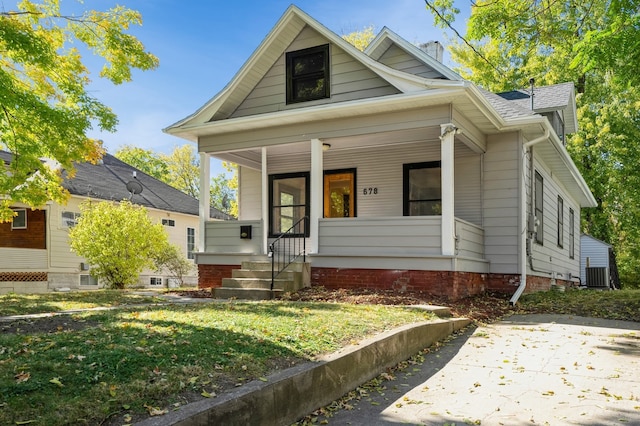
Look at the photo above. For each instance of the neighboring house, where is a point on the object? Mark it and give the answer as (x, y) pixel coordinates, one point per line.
(34, 248)
(598, 268)
(411, 177)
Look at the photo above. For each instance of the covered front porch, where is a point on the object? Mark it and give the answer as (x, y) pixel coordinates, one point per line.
(378, 223)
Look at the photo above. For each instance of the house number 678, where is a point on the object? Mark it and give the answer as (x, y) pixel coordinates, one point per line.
(370, 191)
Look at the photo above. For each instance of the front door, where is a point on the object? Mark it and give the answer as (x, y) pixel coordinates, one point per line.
(339, 193)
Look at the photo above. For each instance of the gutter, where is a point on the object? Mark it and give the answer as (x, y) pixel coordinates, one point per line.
(523, 216)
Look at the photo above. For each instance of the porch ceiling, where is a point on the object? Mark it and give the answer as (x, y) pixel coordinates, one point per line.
(253, 157)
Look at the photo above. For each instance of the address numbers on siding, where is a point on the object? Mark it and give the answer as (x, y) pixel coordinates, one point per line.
(370, 191)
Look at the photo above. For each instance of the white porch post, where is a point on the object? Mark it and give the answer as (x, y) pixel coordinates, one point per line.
(204, 209)
(265, 202)
(447, 135)
(316, 199)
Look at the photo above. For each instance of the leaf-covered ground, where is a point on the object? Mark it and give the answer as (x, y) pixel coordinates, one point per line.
(488, 307)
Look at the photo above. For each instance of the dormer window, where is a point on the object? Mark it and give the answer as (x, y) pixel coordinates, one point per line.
(308, 74)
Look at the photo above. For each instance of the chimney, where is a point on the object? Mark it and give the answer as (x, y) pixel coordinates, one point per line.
(433, 49)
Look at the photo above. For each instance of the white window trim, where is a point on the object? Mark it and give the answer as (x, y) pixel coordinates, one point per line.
(25, 219)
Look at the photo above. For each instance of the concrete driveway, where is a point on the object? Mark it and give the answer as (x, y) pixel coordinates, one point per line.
(525, 370)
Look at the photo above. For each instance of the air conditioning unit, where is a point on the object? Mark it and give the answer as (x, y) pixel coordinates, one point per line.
(598, 277)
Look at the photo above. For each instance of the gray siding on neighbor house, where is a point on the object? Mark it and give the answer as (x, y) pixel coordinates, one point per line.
(501, 197)
(20, 260)
(399, 59)
(594, 252)
(549, 257)
(350, 80)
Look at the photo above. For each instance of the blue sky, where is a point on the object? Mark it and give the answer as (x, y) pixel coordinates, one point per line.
(202, 44)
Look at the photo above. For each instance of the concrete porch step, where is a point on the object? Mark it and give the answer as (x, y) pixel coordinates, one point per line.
(265, 265)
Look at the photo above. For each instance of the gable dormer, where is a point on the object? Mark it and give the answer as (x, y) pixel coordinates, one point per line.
(425, 60)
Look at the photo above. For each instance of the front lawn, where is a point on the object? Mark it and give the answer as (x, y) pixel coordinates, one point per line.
(119, 365)
(21, 304)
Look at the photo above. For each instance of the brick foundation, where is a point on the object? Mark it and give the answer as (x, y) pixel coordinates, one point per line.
(210, 276)
(453, 285)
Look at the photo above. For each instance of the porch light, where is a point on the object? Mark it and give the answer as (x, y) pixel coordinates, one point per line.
(326, 146)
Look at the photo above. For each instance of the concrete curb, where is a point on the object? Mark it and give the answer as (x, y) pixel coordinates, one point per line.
(293, 393)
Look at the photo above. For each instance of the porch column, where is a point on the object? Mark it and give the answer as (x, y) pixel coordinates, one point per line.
(447, 135)
(265, 202)
(316, 199)
(204, 209)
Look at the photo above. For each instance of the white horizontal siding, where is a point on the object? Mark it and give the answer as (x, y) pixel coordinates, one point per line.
(382, 169)
(593, 252)
(19, 260)
(349, 78)
(381, 236)
(549, 257)
(249, 194)
(224, 237)
(397, 58)
(501, 196)
(470, 240)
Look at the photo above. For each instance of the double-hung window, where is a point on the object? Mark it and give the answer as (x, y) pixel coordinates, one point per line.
(308, 74)
(560, 222)
(191, 243)
(422, 189)
(288, 202)
(539, 207)
(572, 235)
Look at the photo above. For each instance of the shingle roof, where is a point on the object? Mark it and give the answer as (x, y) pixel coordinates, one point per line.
(507, 110)
(545, 98)
(108, 180)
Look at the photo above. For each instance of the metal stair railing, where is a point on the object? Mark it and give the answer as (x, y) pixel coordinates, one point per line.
(288, 247)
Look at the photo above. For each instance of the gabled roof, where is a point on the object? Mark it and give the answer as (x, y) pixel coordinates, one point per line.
(386, 38)
(108, 180)
(271, 48)
(557, 97)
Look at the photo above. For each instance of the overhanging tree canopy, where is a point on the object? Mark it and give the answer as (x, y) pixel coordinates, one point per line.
(596, 45)
(45, 108)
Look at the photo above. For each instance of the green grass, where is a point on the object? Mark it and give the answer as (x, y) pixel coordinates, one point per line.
(620, 305)
(121, 363)
(20, 304)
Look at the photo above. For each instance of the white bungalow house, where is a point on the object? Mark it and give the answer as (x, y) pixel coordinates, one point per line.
(35, 256)
(411, 178)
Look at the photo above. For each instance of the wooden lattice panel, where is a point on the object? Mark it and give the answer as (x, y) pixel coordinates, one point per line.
(23, 276)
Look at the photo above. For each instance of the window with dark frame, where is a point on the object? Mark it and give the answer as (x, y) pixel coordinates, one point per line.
(308, 74)
(539, 206)
(20, 220)
(168, 222)
(191, 243)
(422, 189)
(572, 235)
(560, 222)
(288, 201)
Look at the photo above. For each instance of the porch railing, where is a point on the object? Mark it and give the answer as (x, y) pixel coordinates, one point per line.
(289, 246)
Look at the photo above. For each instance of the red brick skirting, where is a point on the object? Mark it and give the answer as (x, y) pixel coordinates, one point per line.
(453, 285)
(210, 276)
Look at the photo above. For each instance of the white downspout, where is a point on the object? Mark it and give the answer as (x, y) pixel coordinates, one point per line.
(523, 218)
